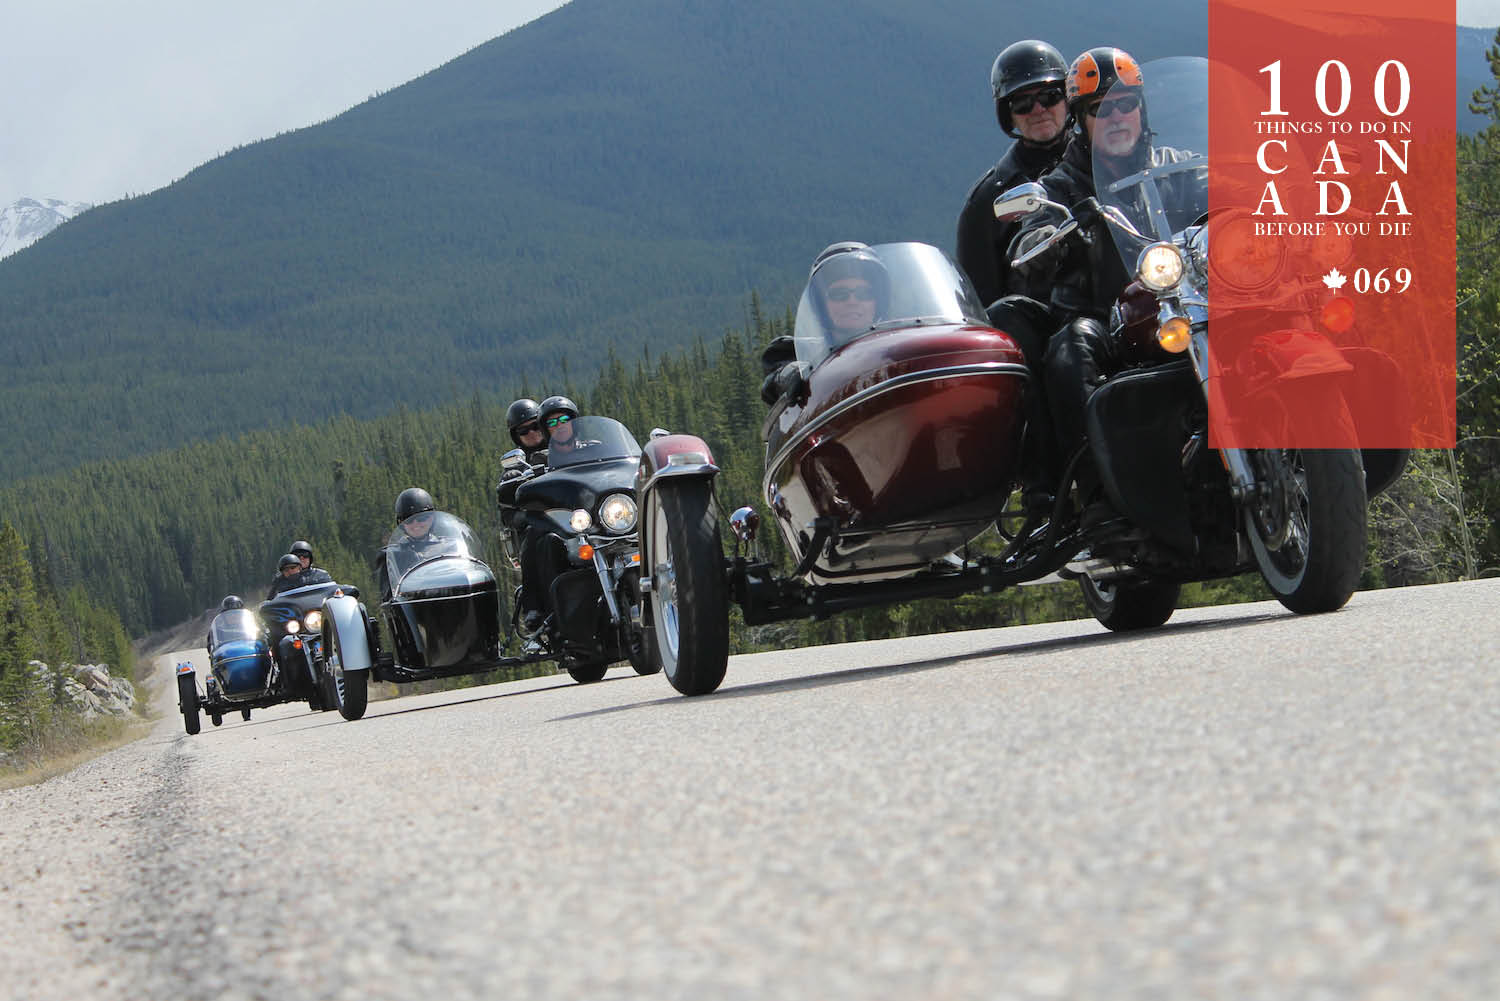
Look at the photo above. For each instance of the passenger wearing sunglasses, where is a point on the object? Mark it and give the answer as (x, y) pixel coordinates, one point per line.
(541, 552)
(1112, 134)
(1027, 84)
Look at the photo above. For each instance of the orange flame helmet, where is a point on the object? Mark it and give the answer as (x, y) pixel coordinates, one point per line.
(1093, 74)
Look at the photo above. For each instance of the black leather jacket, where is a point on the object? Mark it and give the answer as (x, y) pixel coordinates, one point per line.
(983, 241)
(312, 575)
(1089, 274)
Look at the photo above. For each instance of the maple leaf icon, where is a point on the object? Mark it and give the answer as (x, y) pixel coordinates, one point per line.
(1334, 280)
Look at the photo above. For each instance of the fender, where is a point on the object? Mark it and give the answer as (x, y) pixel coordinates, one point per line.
(666, 457)
(673, 455)
(342, 614)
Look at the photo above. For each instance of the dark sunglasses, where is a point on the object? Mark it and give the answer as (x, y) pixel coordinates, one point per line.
(1124, 105)
(863, 293)
(528, 427)
(553, 422)
(1047, 97)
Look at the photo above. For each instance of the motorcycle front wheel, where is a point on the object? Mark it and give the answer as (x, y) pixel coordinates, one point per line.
(689, 598)
(1307, 528)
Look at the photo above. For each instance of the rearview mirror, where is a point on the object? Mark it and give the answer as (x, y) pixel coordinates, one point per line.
(514, 459)
(1020, 201)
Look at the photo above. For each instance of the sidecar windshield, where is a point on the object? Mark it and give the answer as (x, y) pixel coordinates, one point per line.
(426, 536)
(891, 285)
(234, 624)
(590, 439)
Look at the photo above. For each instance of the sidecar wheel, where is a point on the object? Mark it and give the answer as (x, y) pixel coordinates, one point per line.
(1126, 605)
(1308, 531)
(689, 597)
(587, 674)
(187, 701)
(351, 689)
(216, 719)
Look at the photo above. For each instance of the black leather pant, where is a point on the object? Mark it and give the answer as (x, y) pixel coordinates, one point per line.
(1029, 323)
(542, 559)
(1078, 358)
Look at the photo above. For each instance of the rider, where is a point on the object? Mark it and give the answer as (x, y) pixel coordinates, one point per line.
(1027, 83)
(850, 290)
(288, 575)
(310, 574)
(524, 420)
(542, 554)
(414, 514)
(1107, 101)
(229, 604)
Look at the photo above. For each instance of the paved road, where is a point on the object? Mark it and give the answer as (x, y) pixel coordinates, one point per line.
(1241, 805)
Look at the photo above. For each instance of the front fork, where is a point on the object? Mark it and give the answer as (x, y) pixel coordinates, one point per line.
(1242, 482)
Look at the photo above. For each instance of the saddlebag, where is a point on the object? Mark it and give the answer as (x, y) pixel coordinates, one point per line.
(1137, 428)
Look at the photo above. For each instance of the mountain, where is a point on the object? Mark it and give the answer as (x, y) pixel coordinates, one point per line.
(1473, 73)
(27, 220)
(612, 176)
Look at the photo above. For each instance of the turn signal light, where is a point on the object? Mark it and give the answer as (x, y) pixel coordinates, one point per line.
(1175, 334)
(585, 552)
(1338, 314)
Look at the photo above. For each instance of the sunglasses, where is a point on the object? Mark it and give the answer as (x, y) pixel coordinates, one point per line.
(528, 428)
(863, 293)
(553, 422)
(1122, 105)
(1047, 97)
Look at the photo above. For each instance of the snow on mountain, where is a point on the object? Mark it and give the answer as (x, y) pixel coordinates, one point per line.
(28, 220)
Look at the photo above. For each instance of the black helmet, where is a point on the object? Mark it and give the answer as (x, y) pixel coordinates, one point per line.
(1094, 73)
(231, 601)
(850, 259)
(558, 404)
(411, 501)
(301, 548)
(288, 561)
(1020, 65)
(519, 413)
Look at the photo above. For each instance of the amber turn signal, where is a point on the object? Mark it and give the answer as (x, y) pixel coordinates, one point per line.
(1338, 314)
(585, 552)
(1175, 334)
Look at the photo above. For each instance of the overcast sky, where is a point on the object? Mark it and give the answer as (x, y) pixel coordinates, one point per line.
(104, 98)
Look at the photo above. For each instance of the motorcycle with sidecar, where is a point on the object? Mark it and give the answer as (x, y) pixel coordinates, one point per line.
(259, 659)
(889, 452)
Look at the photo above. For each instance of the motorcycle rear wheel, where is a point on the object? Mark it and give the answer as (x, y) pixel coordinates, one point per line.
(1126, 605)
(689, 597)
(1308, 531)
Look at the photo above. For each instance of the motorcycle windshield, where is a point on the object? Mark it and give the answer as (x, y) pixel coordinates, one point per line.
(888, 286)
(429, 535)
(234, 624)
(589, 439)
(1150, 153)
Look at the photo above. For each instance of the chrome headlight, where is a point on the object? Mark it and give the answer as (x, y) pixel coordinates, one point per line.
(1240, 259)
(293, 627)
(1160, 267)
(313, 620)
(1330, 249)
(617, 513)
(580, 520)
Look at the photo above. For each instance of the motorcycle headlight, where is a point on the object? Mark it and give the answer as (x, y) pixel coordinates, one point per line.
(580, 520)
(1242, 260)
(1330, 249)
(1160, 267)
(313, 621)
(292, 627)
(617, 513)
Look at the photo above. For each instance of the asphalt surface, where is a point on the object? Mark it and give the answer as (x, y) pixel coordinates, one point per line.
(1243, 804)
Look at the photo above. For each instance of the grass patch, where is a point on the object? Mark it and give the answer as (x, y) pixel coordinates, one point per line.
(67, 743)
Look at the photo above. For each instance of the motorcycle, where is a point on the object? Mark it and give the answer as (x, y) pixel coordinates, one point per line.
(246, 671)
(586, 495)
(888, 454)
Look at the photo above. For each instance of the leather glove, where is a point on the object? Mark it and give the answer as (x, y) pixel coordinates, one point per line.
(1089, 213)
(1030, 240)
